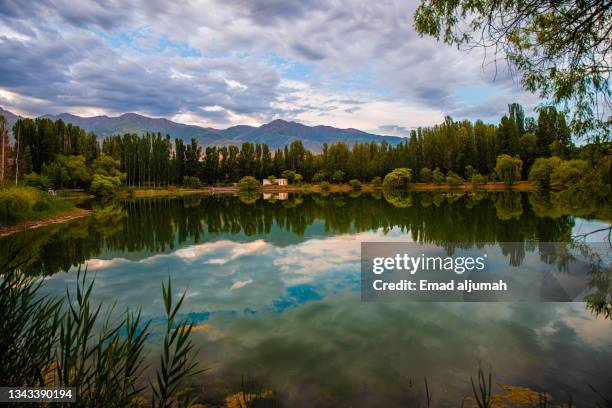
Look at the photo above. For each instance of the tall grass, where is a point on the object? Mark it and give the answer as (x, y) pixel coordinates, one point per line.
(72, 343)
(23, 203)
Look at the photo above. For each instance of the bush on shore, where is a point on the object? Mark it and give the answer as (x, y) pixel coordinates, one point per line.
(542, 169)
(22, 203)
(438, 176)
(568, 173)
(398, 179)
(478, 178)
(454, 179)
(508, 168)
(425, 175)
(192, 182)
(102, 185)
(249, 183)
(37, 181)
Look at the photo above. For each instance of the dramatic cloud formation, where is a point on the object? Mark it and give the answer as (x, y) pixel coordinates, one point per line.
(216, 63)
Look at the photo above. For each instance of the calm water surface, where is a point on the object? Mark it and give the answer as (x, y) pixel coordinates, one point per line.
(273, 286)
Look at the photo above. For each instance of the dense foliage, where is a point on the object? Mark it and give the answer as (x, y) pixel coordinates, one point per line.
(398, 179)
(20, 203)
(508, 169)
(64, 153)
(248, 183)
(561, 48)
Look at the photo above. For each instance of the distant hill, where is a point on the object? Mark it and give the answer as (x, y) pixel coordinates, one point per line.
(10, 117)
(276, 134)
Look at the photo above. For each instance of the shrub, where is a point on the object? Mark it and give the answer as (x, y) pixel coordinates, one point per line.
(17, 202)
(37, 181)
(568, 173)
(542, 169)
(468, 172)
(20, 203)
(454, 179)
(324, 186)
(355, 184)
(298, 178)
(289, 175)
(272, 178)
(249, 183)
(338, 176)
(438, 176)
(320, 176)
(398, 178)
(102, 185)
(192, 182)
(425, 175)
(478, 178)
(508, 168)
(377, 181)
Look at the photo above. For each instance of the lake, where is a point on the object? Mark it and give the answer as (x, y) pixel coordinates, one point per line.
(273, 286)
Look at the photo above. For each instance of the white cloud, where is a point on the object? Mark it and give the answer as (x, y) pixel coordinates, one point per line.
(173, 59)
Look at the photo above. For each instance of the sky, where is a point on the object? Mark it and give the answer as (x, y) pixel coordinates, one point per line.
(219, 63)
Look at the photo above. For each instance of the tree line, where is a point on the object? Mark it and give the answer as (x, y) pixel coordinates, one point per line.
(151, 159)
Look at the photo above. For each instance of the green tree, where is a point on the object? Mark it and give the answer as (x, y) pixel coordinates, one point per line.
(103, 185)
(192, 158)
(249, 183)
(289, 175)
(542, 169)
(527, 150)
(438, 176)
(319, 176)
(469, 171)
(425, 175)
(561, 49)
(478, 178)
(67, 171)
(568, 173)
(453, 178)
(338, 176)
(398, 179)
(107, 166)
(37, 181)
(192, 182)
(508, 168)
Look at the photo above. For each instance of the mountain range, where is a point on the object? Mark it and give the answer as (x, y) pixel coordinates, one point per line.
(276, 134)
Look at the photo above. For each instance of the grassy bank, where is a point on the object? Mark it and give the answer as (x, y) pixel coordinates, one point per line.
(18, 204)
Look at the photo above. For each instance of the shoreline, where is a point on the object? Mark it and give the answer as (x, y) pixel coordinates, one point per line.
(521, 186)
(76, 213)
(57, 218)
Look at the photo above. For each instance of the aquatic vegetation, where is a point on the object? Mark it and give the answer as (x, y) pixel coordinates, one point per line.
(70, 342)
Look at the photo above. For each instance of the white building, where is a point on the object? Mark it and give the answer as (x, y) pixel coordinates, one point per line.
(275, 182)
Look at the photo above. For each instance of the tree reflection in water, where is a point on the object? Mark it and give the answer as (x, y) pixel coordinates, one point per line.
(157, 225)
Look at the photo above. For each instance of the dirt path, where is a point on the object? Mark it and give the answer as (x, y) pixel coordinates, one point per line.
(54, 219)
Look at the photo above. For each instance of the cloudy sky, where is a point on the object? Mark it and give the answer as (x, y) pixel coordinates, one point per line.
(224, 62)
